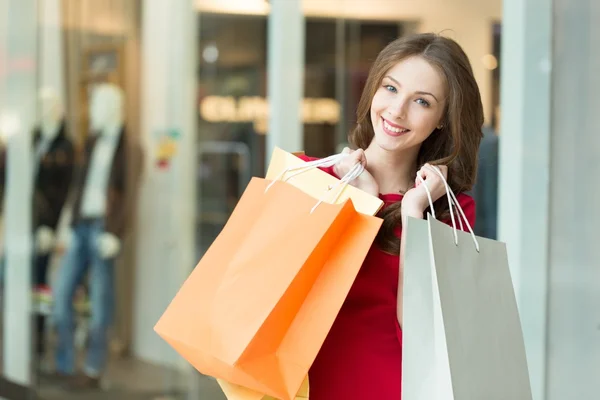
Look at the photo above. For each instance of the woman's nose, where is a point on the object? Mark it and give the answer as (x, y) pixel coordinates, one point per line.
(397, 110)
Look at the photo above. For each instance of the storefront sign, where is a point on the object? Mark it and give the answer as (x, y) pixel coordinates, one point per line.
(256, 110)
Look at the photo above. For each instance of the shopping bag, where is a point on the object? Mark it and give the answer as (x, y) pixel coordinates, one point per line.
(235, 392)
(462, 337)
(418, 352)
(286, 165)
(314, 181)
(259, 304)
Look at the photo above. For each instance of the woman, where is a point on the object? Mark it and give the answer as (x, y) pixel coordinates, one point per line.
(421, 105)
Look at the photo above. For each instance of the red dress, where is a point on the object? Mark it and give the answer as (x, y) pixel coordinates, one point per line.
(361, 359)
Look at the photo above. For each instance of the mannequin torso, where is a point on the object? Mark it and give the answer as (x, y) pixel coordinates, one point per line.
(101, 164)
(53, 163)
(51, 124)
(49, 131)
(100, 187)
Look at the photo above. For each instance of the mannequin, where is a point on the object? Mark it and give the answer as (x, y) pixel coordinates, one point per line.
(53, 163)
(52, 170)
(95, 237)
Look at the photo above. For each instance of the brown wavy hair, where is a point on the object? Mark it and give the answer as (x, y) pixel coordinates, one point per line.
(455, 145)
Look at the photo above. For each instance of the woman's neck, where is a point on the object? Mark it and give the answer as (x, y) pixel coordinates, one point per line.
(394, 172)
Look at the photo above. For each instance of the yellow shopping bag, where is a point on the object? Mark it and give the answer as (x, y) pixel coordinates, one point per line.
(314, 181)
(235, 392)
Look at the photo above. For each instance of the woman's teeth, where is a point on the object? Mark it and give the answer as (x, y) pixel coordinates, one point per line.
(393, 129)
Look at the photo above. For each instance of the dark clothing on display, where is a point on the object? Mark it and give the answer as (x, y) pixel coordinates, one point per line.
(53, 170)
(53, 165)
(116, 191)
(53, 178)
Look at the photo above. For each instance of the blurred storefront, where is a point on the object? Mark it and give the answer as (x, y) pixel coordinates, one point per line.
(197, 77)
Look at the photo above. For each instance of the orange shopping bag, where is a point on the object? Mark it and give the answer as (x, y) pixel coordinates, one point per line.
(259, 304)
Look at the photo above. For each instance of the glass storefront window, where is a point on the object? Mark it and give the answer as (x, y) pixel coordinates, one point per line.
(233, 109)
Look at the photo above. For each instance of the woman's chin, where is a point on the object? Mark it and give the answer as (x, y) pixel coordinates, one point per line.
(391, 144)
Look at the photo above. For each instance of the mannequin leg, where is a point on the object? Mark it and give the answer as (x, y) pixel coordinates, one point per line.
(40, 265)
(40, 269)
(102, 302)
(69, 277)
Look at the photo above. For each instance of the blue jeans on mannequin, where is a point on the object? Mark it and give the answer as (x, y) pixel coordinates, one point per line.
(82, 255)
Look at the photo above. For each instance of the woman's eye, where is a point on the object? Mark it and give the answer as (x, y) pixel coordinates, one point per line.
(423, 102)
(390, 88)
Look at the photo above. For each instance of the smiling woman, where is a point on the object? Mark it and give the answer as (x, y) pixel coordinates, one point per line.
(420, 106)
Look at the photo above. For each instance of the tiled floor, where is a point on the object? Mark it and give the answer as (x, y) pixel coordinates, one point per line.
(135, 380)
(130, 379)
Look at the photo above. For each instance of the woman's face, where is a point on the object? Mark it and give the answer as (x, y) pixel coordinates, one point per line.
(408, 105)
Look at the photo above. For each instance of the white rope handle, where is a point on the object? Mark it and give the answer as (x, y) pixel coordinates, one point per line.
(431, 202)
(448, 191)
(349, 177)
(307, 166)
(460, 221)
(452, 204)
(428, 193)
(452, 199)
(325, 163)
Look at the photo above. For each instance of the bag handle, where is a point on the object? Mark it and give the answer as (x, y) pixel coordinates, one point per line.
(433, 210)
(345, 181)
(323, 162)
(308, 166)
(452, 201)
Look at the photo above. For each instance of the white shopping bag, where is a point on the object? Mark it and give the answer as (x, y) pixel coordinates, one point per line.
(462, 337)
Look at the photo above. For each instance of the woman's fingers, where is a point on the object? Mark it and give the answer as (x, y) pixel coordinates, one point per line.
(352, 158)
(360, 157)
(435, 183)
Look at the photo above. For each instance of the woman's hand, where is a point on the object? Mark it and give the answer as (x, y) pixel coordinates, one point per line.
(365, 181)
(415, 201)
